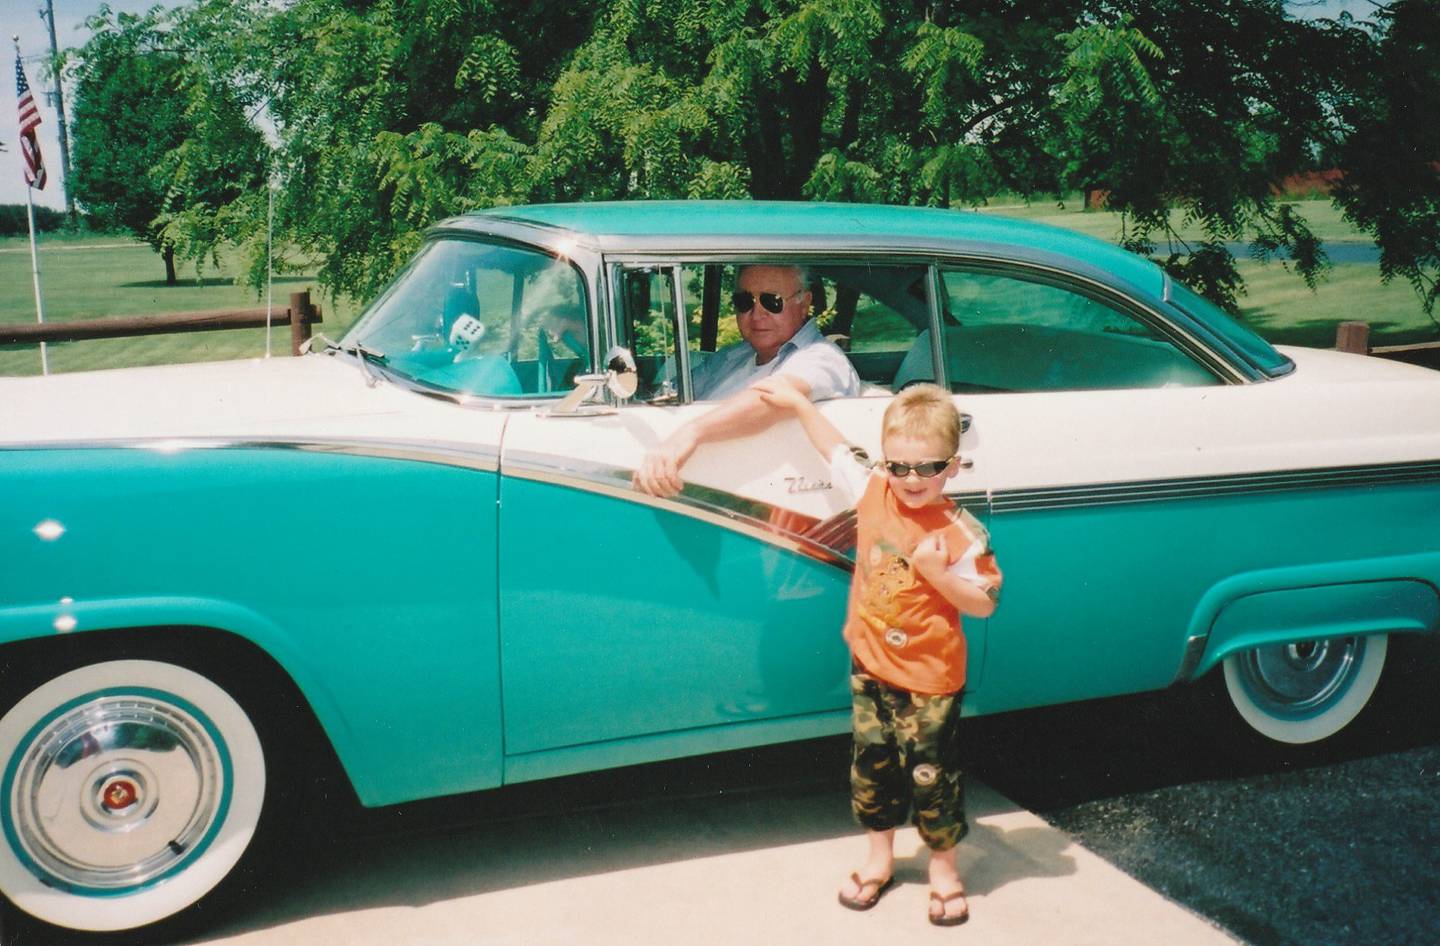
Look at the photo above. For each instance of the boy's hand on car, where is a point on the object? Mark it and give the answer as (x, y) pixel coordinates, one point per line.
(931, 556)
(780, 392)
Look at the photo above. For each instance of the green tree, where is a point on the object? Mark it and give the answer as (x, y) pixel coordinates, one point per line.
(1386, 138)
(1184, 114)
(1199, 105)
(126, 117)
(162, 147)
(390, 114)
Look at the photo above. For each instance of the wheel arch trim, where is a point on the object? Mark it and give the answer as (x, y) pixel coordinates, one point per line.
(196, 616)
(1399, 594)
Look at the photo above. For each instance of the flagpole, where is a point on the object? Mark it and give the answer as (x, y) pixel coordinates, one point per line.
(34, 254)
(35, 272)
(270, 260)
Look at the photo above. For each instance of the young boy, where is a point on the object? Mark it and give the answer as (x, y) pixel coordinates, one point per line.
(919, 564)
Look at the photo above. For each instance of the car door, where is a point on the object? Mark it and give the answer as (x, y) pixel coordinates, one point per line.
(639, 628)
(1094, 423)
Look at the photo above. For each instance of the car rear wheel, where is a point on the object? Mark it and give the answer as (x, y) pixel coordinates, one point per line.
(130, 790)
(1308, 691)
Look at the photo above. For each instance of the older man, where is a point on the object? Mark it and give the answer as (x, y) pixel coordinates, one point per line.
(772, 308)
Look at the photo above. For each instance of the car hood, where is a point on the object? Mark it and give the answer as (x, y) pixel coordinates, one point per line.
(307, 397)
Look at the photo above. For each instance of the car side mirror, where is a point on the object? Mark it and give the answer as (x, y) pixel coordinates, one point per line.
(620, 377)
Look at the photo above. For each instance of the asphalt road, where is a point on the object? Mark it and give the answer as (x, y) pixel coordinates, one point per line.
(1336, 846)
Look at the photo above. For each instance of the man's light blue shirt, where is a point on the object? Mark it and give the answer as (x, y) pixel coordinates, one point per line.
(808, 355)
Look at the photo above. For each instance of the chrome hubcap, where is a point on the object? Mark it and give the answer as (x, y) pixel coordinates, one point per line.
(115, 792)
(1296, 678)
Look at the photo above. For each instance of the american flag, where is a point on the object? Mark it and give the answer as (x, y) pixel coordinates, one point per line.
(29, 119)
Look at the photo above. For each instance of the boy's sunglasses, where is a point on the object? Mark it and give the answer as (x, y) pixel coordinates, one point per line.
(744, 301)
(925, 468)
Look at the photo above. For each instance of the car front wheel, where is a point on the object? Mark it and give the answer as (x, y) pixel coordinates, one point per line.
(1307, 691)
(130, 789)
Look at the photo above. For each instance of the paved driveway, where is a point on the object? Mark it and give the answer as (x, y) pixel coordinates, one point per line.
(677, 865)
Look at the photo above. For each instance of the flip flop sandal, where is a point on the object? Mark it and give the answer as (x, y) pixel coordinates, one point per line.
(865, 903)
(944, 918)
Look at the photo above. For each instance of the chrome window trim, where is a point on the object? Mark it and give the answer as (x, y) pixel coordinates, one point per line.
(467, 456)
(934, 286)
(682, 335)
(1219, 361)
(614, 279)
(1197, 349)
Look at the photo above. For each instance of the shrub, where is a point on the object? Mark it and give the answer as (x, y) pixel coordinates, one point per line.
(12, 220)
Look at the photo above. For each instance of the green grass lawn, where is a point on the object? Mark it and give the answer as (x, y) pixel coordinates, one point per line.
(88, 277)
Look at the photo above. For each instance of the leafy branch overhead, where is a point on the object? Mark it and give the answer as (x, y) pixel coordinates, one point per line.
(389, 115)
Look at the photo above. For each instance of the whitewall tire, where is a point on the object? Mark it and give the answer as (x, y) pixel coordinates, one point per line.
(1308, 691)
(130, 789)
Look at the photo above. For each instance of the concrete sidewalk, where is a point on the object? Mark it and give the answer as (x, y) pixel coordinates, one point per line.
(752, 868)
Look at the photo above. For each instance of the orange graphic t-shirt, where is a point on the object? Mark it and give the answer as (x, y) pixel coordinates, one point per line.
(899, 627)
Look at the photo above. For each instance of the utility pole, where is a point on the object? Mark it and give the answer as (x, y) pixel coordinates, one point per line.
(48, 15)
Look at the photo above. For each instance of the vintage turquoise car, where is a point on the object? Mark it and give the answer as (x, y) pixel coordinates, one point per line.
(484, 598)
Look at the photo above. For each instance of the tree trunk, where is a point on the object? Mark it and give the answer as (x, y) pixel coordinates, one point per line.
(169, 253)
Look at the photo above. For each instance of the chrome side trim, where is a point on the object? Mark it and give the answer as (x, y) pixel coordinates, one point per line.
(1190, 659)
(468, 456)
(1108, 494)
(830, 541)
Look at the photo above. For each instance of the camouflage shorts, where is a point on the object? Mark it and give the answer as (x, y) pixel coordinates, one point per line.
(906, 754)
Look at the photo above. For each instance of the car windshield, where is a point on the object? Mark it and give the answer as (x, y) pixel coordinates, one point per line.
(484, 319)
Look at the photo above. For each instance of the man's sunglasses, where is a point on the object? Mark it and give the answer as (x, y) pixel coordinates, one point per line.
(925, 468)
(744, 301)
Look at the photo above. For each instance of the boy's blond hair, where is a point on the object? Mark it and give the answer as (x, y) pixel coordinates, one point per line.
(923, 411)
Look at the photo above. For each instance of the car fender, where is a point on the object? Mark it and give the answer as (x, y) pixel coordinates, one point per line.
(112, 537)
(1332, 599)
(186, 615)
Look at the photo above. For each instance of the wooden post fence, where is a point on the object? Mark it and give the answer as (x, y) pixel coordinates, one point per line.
(1355, 337)
(300, 315)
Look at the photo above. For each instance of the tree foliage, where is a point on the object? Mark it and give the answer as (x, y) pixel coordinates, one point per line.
(126, 116)
(162, 147)
(1387, 140)
(392, 114)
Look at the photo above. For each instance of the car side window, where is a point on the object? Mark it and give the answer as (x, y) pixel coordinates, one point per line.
(1006, 333)
(650, 329)
(874, 312)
